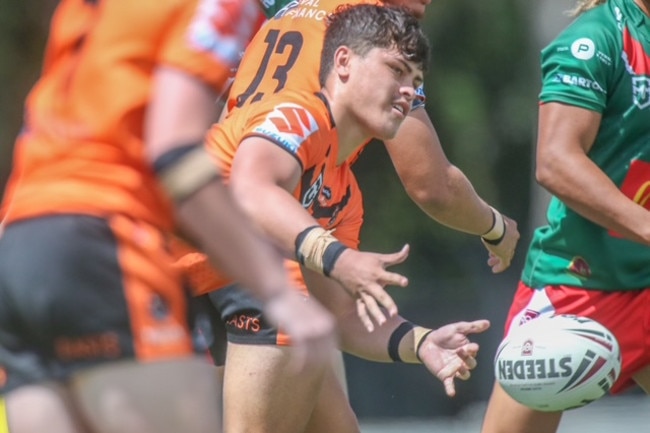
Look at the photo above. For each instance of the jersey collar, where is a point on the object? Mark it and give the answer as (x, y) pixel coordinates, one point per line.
(322, 97)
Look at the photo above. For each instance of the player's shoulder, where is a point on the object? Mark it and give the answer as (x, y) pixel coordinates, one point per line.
(291, 118)
(601, 25)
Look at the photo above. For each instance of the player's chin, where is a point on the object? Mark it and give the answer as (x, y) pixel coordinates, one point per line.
(387, 133)
(393, 126)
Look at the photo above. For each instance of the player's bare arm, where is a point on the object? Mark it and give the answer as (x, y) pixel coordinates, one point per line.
(443, 191)
(446, 352)
(565, 136)
(262, 177)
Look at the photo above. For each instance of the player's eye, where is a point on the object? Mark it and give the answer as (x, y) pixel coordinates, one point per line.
(398, 71)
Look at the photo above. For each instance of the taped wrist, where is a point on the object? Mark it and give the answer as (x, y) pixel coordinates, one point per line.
(420, 341)
(495, 235)
(318, 250)
(395, 339)
(184, 170)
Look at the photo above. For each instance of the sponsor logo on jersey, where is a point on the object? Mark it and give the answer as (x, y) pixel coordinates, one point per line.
(576, 80)
(583, 48)
(288, 125)
(642, 196)
(224, 27)
(637, 63)
(312, 192)
(580, 267)
(316, 197)
(303, 9)
(158, 307)
(641, 92)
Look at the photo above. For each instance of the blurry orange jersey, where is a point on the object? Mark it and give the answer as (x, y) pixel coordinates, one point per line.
(301, 124)
(285, 53)
(81, 148)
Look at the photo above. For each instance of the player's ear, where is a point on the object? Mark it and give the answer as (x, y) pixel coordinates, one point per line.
(342, 61)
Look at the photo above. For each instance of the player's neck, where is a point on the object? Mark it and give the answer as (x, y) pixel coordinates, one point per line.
(350, 134)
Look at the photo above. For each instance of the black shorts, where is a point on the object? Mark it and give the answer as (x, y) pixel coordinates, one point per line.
(236, 316)
(77, 291)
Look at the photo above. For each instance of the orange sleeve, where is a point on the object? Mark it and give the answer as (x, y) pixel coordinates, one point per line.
(207, 38)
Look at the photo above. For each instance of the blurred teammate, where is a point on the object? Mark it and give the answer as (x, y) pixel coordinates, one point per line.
(288, 162)
(93, 319)
(593, 155)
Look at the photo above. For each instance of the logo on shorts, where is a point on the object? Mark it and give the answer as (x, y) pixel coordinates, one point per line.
(105, 345)
(245, 322)
(580, 267)
(583, 49)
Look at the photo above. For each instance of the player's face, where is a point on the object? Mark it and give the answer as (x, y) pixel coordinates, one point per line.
(383, 88)
(417, 7)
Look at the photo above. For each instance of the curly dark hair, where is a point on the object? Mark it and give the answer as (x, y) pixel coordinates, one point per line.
(363, 27)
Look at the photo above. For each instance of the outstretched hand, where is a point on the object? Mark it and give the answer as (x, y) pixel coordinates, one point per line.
(364, 276)
(448, 353)
(500, 255)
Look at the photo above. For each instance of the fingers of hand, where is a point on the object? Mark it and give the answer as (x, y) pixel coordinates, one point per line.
(396, 258)
(478, 326)
(450, 388)
(463, 374)
(375, 312)
(393, 279)
(362, 312)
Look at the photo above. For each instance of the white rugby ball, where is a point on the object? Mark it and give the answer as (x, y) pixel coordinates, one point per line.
(559, 362)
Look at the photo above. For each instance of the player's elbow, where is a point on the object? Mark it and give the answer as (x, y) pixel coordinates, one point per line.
(435, 196)
(547, 170)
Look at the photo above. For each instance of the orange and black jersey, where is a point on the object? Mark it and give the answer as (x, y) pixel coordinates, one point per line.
(301, 124)
(285, 52)
(81, 149)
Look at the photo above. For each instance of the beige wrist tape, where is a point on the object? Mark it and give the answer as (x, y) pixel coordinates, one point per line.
(419, 335)
(498, 227)
(187, 175)
(311, 251)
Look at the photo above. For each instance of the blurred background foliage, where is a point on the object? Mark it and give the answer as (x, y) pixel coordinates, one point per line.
(482, 88)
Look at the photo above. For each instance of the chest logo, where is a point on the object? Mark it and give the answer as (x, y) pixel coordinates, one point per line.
(641, 91)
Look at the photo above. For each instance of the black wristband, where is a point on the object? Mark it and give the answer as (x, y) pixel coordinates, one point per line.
(332, 253)
(396, 337)
(420, 343)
